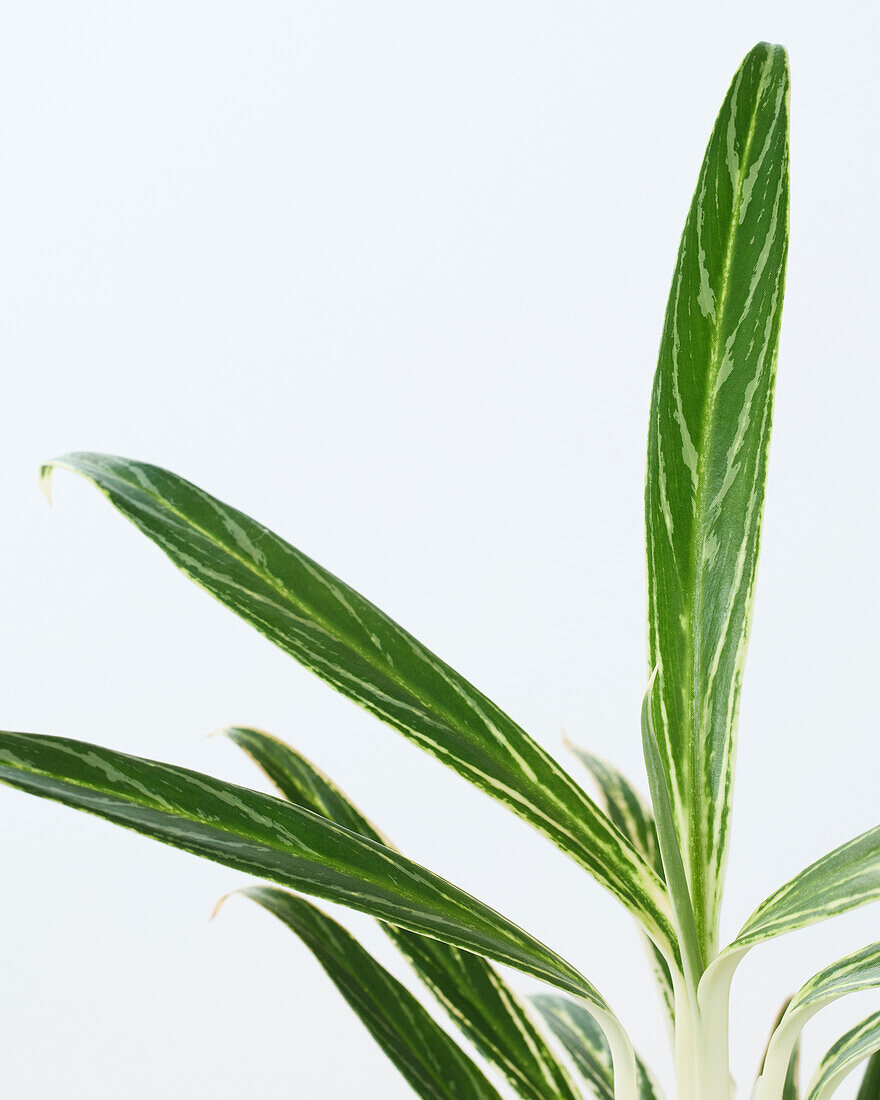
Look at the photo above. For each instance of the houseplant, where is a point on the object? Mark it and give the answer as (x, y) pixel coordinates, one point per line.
(707, 453)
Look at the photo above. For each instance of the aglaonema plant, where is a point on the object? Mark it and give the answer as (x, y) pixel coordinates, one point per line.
(709, 431)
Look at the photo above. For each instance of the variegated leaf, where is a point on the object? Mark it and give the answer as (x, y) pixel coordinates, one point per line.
(844, 879)
(351, 644)
(850, 1050)
(473, 993)
(852, 974)
(431, 1062)
(707, 456)
(870, 1086)
(632, 815)
(588, 1048)
(278, 841)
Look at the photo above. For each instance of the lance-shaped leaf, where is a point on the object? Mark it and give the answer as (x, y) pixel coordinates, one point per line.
(470, 989)
(851, 1049)
(588, 1047)
(707, 455)
(275, 840)
(853, 974)
(351, 644)
(844, 879)
(435, 1067)
(632, 815)
(869, 1089)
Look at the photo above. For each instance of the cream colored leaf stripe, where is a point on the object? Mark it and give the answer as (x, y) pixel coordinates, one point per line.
(709, 432)
(350, 643)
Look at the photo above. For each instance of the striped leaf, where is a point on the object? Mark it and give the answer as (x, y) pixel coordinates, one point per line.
(844, 879)
(870, 1086)
(278, 841)
(707, 454)
(850, 1050)
(853, 974)
(427, 1057)
(469, 988)
(588, 1047)
(632, 815)
(351, 644)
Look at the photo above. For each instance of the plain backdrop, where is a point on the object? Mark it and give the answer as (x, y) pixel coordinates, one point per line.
(390, 277)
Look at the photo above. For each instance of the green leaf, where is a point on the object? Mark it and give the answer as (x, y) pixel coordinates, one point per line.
(844, 879)
(632, 815)
(278, 841)
(854, 973)
(427, 1057)
(351, 644)
(588, 1047)
(843, 1056)
(708, 437)
(471, 991)
(870, 1086)
(670, 852)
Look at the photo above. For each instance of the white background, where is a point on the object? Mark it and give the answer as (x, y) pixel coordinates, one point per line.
(391, 277)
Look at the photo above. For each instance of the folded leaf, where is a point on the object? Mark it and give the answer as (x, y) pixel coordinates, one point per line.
(351, 644)
(842, 1058)
(632, 815)
(853, 974)
(588, 1048)
(707, 455)
(476, 997)
(278, 841)
(427, 1057)
(870, 1086)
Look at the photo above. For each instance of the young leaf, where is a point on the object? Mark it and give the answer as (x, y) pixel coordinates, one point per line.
(278, 841)
(853, 974)
(471, 991)
(431, 1062)
(588, 1047)
(707, 454)
(351, 644)
(843, 1056)
(870, 1086)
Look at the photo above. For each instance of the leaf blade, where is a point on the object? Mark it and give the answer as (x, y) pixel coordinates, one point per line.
(470, 990)
(351, 644)
(434, 1066)
(711, 410)
(274, 840)
(842, 1057)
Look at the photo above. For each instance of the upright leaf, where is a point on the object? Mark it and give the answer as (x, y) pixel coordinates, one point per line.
(707, 455)
(431, 1062)
(844, 1056)
(278, 841)
(351, 644)
(476, 997)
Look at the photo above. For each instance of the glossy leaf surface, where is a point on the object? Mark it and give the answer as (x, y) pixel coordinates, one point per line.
(474, 994)
(351, 644)
(276, 840)
(431, 1062)
(708, 437)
